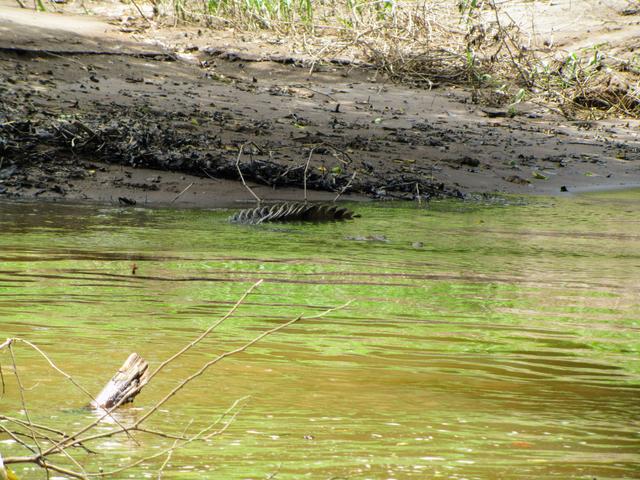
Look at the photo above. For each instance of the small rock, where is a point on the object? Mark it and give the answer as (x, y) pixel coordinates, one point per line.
(58, 189)
(494, 113)
(471, 162)
(417, 244)
(7, 172)
(517, 179)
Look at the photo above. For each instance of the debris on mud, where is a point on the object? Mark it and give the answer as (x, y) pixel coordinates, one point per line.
(182, 142)
(79, 117)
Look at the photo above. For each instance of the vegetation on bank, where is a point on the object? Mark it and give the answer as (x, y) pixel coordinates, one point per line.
(475, 43)
(432, 42)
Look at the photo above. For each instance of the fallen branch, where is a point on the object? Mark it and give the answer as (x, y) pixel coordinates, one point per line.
(125, 384)
(47, 441)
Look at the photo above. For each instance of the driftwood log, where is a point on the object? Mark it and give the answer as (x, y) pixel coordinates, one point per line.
(292, 212)
(125, 384)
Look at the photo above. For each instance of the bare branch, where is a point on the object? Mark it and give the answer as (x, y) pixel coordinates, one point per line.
(344, 189)
(23, 400)
(17, 439)
(242, 177)
(175, 445)
(140, 12)
(37, 426)
(61, 441)
(56, 468)
(210, 363)
(207, 331)
(2, 380)
(73, 439)
(306, 167)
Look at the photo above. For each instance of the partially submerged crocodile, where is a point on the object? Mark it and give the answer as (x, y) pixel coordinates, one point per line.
(292, 212)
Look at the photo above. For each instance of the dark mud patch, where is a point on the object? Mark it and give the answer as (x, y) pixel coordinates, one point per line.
(45, 151)
(56, 147)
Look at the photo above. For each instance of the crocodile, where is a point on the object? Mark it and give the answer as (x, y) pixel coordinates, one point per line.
(292, 212)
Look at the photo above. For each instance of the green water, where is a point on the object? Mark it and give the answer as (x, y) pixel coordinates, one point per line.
(505, 347)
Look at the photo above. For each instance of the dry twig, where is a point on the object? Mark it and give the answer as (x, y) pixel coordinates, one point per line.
(242, 177)
(306, 168)
(182, 192)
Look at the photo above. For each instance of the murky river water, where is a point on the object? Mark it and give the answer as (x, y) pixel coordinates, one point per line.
(505, 346)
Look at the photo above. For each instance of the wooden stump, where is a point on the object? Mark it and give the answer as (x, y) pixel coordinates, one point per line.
(125, 384)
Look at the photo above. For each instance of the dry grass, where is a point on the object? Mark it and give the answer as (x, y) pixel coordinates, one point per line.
(475, 43)
(432, 42)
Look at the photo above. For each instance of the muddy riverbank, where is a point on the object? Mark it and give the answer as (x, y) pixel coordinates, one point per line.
(89, 112)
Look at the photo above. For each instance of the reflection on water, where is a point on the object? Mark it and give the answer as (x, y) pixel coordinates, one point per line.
(505, 345)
